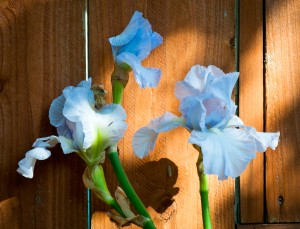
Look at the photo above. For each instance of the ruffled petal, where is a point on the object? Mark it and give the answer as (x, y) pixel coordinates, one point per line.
(80, 102)
(64, 130)
(144, 139)
(264, 140)
(67, 145)
(226, 152)
(48, 142)
(26, 165)
(140, 45)
(128, 33)
(200, 80)
(144, 76)
(194, 112)
(117, 130)
(222, 86)
(194, 82)
(86, 83)
(110, 113)
(55, 112)
(156, 40)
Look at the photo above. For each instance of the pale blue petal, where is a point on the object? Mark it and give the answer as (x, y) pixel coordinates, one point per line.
(156, 40)
(55, 112)
(48, 142)
(26, 165)
(144, 76)
(67, 91)
(195, 83)
(128, 33)
(65, 131)
(218, 112)
(222, 86)
(194, 112)
(86, 83)
(117, 130)
(263, 139)
(110, 113)
(235, 122)
(80, 102)
(67, 145)
(39, 153)
(144, 139)
(140, 45)
(225, 152)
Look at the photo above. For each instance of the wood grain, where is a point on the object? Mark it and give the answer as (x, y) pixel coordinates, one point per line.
(283, 109)
(195, 32)
(251, 95)
(41, 52)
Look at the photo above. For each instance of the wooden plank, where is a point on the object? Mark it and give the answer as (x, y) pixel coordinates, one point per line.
(251, 105)
(195, 32)
(269, 226)
(283, 109)
(41, 52)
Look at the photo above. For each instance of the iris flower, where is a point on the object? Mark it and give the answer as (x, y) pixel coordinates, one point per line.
(209, 114)
(82, 127)
(133, 45)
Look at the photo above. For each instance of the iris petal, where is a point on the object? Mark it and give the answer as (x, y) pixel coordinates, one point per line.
(67, 145)
(145, 138)
(128, 33)
(144, 76)
(55, 112)
(226, 152)
(26, 165)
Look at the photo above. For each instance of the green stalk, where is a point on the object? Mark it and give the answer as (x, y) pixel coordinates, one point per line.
(118, 89)
(101, 190)
(128, 189)
(204, 201)
(203, 180)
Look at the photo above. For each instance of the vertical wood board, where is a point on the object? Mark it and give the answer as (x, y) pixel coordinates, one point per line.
(195, 32)
(41, 52)
(283, 109)
(251, 94)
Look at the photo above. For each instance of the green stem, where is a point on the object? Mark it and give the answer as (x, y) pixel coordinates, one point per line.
(204, 189)
(204, 201)
(118, 89)
(101, 191)
(128, 189)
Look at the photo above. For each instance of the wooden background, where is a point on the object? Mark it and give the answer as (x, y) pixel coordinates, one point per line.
(42, 51)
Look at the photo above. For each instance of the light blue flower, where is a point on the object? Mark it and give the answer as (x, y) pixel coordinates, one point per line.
(208, 113)
(81, 127)
(133, 45)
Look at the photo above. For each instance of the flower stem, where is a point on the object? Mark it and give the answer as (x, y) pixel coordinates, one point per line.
(204, 189)
(94, 179)
(128, 189)
(205, 202)
(118, 89)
